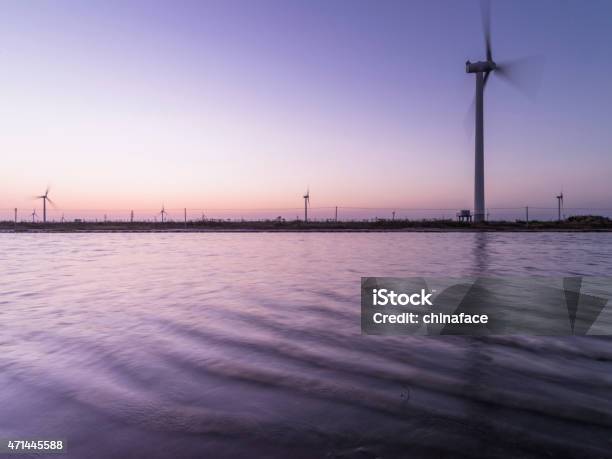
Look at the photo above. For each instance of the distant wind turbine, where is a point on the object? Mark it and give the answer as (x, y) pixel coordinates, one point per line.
(560, 204)
(34, 215)
(45, 197)
(306, 204)
(163, 213)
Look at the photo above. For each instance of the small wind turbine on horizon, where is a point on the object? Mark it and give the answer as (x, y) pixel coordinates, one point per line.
(34, 215)
(306, 204)
(560, 204)
(45, 197)
(163, 213)
(510, 72)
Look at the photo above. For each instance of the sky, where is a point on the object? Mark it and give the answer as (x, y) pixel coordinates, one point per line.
(243, 105)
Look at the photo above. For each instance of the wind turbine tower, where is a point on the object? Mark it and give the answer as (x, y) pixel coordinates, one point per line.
(482, 70)
(306, 204)
(45, 198)
(163, 213)
(559, 205)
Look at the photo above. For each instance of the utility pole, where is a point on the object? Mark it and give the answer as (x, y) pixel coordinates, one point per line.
(306, 202)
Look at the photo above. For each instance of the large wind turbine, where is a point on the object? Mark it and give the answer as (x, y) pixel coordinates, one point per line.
(306, 204)
(45, 197)
(483, 70)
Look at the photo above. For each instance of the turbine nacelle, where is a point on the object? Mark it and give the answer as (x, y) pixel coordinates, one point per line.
(480, 66)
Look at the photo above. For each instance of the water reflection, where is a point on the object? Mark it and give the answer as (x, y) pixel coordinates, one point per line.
(481, 253)
(159, 345)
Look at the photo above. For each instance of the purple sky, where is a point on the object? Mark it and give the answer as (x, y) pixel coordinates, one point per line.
(228, 104)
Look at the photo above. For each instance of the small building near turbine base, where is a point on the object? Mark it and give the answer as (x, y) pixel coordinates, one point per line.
(464, 215)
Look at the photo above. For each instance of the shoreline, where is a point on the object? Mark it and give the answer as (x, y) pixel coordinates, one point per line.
(573, 224)
(238, 228)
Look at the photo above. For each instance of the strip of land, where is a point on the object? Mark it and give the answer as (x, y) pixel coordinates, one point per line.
(573, 224)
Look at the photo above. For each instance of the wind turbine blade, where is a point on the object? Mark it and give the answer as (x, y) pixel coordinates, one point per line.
(524, 74)
(470, 116)
(51, 202)
(47, 190)
(485, 11)
(486, 77)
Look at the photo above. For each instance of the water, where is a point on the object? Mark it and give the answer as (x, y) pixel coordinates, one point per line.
(243, 345)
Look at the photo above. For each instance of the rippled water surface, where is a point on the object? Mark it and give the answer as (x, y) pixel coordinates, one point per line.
(245, 345)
